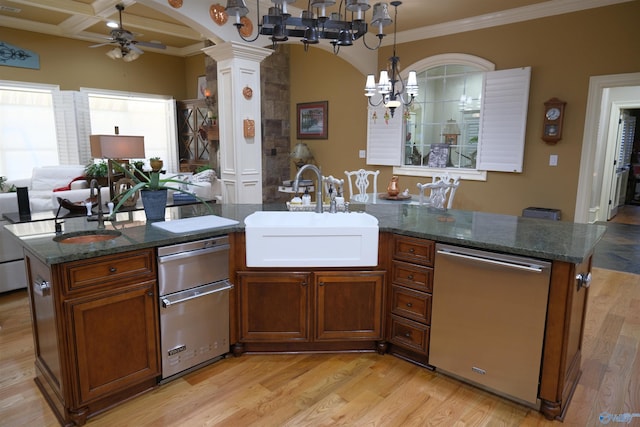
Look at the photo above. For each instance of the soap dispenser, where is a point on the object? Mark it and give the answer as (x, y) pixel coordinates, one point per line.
(306, 198)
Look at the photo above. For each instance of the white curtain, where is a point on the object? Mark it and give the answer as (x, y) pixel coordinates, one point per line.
(27, 128)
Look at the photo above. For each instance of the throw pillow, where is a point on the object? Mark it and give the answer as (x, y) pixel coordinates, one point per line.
(208, 175)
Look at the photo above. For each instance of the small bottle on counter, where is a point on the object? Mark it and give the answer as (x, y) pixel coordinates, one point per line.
(306, 198)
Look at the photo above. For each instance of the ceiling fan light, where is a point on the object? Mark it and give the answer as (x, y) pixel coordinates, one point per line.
(130, 56)
(114, 53)
(112, 24)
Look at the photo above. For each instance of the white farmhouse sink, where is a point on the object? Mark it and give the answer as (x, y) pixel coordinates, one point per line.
(309, 239)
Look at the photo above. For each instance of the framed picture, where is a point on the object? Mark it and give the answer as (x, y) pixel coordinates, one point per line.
(313, 120)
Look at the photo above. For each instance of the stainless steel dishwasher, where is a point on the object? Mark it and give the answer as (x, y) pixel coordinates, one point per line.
(194, 303)
(488, 320)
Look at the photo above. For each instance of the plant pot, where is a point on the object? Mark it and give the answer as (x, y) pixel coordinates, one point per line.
(156, 165)
(154, 203)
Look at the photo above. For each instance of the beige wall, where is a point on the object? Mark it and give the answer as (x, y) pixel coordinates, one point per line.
(564, 52)
(71, 64)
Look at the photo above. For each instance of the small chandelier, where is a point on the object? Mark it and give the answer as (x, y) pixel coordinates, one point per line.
(311, 27)
(392, 97)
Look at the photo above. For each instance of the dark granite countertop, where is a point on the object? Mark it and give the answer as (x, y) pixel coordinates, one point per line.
(539, 238)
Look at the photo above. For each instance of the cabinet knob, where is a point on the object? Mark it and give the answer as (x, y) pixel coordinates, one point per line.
(321, 284)
(409, 305)
(407, 334)
(304, 283)
(410, 277)
(583, 280)
(411, 250)
(112, 269)
(150, 293)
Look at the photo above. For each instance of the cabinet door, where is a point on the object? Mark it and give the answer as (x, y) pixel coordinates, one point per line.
(274, 307)
(115, 340)
(349, 305)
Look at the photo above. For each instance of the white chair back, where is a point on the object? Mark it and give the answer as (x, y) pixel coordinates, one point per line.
(335, 183)
(442, 191)
(361, 177)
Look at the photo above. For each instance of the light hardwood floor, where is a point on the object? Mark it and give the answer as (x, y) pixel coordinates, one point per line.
(346, 389)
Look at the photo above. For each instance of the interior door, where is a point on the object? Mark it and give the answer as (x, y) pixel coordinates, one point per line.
(622, 162)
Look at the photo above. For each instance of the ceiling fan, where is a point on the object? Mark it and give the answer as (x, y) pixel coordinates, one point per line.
(127, 46)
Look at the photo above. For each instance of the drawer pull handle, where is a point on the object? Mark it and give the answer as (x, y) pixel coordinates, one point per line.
(41, 287)
(407, 334)
(411, 250)
(409, 305)
(321, 284)
(410, 277)
(112, 269)
(304, 284)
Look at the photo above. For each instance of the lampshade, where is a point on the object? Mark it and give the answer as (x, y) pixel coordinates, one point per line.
(451, 128)
(301, 154)
(114, 53)
(236, 8)
(117, 146)
(381, 16)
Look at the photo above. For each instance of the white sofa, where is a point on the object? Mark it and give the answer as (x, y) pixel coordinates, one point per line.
(42, 197)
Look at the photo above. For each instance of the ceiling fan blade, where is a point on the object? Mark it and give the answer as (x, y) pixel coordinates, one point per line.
(132, 47)
(101, 44)
(149, 44)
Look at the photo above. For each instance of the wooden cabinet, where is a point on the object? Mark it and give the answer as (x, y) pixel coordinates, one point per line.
(274, 307)
(410, 298)
(96, 331)
(348, 305)
(198, 139)
(314, 310)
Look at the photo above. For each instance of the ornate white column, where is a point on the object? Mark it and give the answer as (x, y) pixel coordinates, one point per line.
(239, 119)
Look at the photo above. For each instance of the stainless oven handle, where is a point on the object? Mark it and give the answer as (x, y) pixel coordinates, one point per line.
(530, 267)
(167, 302)
(187, 254)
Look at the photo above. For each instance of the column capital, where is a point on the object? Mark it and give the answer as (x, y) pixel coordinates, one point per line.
(237, 50)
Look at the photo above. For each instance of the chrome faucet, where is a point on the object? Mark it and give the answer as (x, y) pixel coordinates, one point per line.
(318, 188)
(100, 218)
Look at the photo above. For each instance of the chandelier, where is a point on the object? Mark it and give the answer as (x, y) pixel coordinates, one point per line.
(311, 27)
(391, 96)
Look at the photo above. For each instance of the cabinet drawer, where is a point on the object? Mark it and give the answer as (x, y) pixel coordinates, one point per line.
(412, 304)
(420, 251)
(412, 276)
(409, 334)
(137, 265)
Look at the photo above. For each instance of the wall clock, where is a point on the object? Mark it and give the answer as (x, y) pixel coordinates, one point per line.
(552, 121)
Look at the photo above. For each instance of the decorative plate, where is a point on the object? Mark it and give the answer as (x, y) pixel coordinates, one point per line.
(247, 26)
(247, 92)
(218, 14)
(176, 4)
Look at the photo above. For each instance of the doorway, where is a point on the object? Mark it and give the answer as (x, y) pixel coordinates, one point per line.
(625, 159)
(606, 94)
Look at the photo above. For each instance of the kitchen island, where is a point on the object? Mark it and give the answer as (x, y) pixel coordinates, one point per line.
(408, 234)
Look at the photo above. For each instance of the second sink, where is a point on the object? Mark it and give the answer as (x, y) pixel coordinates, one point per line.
(91, 236)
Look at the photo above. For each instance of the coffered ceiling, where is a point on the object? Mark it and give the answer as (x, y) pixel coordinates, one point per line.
(86, 19)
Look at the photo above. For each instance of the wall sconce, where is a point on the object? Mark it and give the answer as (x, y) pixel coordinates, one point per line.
(209, 99)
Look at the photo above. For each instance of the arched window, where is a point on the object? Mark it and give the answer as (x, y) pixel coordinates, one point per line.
(445, 127)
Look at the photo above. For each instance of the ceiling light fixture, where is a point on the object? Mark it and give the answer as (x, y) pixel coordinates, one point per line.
(386, 87)
(311, 27)
(124, 53)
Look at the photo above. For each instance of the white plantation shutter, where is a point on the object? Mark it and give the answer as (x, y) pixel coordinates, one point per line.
(73, 126)
(384, 136)
(503, 120)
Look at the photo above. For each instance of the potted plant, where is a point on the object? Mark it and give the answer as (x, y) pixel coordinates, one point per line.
(153, 191)
(156, 164)
(99, 171)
